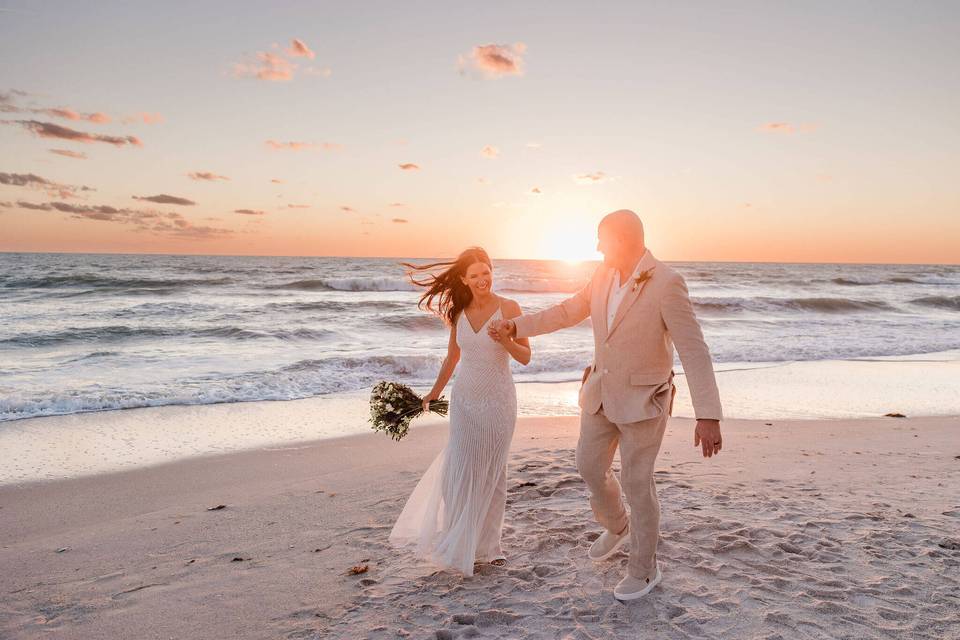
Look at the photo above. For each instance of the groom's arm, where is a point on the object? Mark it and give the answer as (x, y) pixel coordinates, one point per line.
(681, 322)
(568, 313)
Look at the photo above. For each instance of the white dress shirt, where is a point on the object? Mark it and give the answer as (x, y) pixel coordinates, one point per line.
(618, 292)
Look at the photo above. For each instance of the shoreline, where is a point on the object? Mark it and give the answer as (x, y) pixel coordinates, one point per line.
(760, 528)
(80, 444)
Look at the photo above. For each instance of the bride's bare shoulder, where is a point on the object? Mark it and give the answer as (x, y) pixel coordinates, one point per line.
(509, 307)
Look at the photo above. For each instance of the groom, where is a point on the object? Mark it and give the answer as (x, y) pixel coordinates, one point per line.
(640, 309)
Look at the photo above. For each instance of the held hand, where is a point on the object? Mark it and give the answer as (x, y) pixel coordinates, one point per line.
(427, 399)
(502, 331)
(707, 436)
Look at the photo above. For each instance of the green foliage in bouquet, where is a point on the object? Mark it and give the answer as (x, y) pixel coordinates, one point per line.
(394, 405)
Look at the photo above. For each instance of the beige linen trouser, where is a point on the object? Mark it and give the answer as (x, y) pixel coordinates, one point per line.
(639, 444)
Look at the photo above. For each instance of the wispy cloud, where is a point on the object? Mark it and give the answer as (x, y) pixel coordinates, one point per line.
(70, 114)
(51, 130)
(303, 146)
(347, 209)
(162, 223)
(490, 151)
(206, 175)
(144, 118)
(400, 220)
(298, 206)
(299, 49)
(69, 154)
(495, 60)
(536, 191)
(592, 178)
(409, 166)
(276, 181)
(51, 188)
(265, 66)
(397, 204)
(250, 212)
(166, 199)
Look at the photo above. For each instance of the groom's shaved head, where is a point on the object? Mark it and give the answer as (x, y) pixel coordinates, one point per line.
(625, 225)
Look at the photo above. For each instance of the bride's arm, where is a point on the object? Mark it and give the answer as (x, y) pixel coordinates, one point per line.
(446, 369)
(518, 348)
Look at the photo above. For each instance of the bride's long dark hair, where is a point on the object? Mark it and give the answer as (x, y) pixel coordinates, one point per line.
(445, 287)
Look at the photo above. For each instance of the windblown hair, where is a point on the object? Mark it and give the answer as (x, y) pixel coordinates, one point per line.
(446, 294)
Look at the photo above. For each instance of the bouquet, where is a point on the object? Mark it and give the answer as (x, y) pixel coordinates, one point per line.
(394, 405)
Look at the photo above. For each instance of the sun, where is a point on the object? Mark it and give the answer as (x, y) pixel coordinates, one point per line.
(570, 244)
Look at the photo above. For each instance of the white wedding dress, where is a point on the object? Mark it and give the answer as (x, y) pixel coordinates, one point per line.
(455, 514)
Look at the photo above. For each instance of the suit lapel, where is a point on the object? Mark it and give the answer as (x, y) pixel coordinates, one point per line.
(646, 262)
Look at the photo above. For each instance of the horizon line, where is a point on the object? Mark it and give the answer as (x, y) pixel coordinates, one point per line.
(251, 255)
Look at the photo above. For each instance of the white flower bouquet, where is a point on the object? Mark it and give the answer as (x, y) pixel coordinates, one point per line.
(394, 405)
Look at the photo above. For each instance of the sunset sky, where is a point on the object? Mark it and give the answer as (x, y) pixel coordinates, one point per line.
(764, 131)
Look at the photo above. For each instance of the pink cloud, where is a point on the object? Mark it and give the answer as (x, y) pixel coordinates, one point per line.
(145, 118)
(205, 175)
(69, 114)
(301, 146)
(490, 152)
(409, 166)
(266, 66)
(69, 154)
(496, 60)
(299, 49)
(51, 130)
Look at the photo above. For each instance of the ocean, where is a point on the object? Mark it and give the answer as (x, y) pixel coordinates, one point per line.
(83, 333)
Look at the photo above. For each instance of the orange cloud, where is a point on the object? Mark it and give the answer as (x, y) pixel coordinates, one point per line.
(409, 166)
(490, 151)
(536, 191)
(299, 49)
(145, 118)
(347, 209)
(51, 130)
(276, 181)
(165, 199)
(70, 154)
(400, 221)
(496, 60)
(70, 114)
(205, 175)
(266, 66)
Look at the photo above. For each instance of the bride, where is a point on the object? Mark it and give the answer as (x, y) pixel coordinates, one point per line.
(455, 514)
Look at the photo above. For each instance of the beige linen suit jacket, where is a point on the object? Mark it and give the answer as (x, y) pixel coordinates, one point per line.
(632, 371)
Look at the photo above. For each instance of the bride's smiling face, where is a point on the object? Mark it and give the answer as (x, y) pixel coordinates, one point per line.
(479, 277)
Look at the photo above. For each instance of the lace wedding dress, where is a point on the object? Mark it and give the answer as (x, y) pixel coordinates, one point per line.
(455, 514)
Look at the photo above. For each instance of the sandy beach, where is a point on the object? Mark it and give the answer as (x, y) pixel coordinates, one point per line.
(799, 529)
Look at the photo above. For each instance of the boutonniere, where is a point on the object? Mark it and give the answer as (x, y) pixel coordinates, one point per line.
(643, 277)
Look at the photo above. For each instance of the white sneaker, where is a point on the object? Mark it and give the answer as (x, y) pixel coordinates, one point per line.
(607, 544)
(631, 588)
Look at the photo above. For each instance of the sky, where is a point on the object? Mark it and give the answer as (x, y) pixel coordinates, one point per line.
(738, 131)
